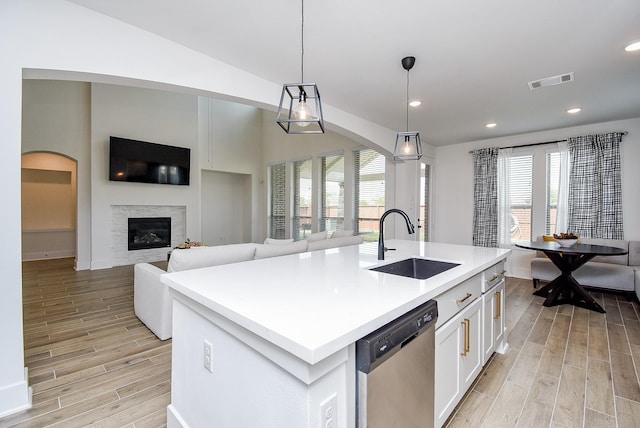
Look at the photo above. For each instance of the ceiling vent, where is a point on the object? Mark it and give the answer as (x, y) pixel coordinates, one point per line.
(551, 81)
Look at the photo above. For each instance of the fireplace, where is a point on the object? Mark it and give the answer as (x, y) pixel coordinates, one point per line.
(149, 232)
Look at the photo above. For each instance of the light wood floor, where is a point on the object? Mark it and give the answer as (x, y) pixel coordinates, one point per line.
(91, 361)
(566, 367)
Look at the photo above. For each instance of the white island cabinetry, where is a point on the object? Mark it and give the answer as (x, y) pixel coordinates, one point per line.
(470, 328)
(271, 342)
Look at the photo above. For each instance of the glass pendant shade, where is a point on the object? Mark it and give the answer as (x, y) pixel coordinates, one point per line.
(408, 146)
(300, 110)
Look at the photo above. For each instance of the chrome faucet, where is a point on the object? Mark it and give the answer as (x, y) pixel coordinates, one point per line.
(410, 229)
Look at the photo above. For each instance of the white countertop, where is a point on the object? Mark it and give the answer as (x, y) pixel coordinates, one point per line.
(313, 304)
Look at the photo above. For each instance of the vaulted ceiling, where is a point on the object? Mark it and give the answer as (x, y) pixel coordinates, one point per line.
(474, 59)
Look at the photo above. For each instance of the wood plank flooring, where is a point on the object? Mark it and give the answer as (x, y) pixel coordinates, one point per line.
(92, 362)
(565, 367)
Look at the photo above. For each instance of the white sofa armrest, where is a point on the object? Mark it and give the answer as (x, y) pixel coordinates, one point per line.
(151, 300)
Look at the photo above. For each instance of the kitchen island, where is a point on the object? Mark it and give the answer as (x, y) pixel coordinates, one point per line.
(271, 342)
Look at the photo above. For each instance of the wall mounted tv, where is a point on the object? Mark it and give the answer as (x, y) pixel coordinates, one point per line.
(142, 162)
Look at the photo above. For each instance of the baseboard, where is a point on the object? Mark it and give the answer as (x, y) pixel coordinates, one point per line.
(16, 397)
(173, 418)
(44, 255)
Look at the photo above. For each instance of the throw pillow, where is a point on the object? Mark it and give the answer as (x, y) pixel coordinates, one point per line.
(317, 236)
(342, 233)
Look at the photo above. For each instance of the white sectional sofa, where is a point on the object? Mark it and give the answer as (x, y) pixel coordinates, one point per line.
(619, 273)
(152, 302)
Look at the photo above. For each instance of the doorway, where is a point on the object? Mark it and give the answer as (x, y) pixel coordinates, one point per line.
(49, 206)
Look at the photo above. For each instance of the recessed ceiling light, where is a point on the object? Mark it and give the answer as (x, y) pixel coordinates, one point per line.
(415, 103)
(491, 125)
(574, 110)
(635, 46)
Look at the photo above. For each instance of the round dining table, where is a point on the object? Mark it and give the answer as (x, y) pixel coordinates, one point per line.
(565, 289)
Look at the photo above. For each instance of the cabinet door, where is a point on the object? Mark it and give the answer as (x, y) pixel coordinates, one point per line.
(489, 325)
(471, 355)
(499, 326)
(448, 382)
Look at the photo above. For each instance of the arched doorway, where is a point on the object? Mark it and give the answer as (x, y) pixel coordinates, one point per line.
(49, 206)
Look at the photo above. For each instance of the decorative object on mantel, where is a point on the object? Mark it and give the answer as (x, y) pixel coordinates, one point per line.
(300, 103)
(189, 243)
(408, 145)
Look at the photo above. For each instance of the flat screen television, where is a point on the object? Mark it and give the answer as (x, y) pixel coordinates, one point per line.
(142, 162)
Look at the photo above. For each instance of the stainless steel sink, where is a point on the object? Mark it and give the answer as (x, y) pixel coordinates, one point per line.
(416, 268)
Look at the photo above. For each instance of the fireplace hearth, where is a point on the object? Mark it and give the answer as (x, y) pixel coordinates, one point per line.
(149, 232)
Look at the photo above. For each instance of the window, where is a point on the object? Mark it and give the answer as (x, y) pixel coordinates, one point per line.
(277, 201)
(369, 192)
(531, 193)
(521, 195)
(301, 219)
(332, 193)
(553, 185)
(423, 220)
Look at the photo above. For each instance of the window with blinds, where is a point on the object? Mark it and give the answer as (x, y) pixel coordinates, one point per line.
(521, 192)
(332, 193)
(553, 185)
(302, 206)
(369, 192)
(277, 201)
(425, 185)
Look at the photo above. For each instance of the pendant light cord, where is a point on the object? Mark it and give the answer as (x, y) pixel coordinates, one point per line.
(407, 100)
(302, 47)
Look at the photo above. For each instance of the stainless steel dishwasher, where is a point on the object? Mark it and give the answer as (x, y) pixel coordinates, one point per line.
(395, 372)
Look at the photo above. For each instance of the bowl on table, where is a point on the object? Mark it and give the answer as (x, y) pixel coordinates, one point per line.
(566, 242)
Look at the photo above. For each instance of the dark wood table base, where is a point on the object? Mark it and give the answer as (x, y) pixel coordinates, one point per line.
(565, 289)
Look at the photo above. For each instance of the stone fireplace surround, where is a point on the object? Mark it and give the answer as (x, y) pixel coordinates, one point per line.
(120, 255)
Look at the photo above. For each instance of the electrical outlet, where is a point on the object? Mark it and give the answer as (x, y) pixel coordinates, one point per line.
(207, 357)
(328, 412)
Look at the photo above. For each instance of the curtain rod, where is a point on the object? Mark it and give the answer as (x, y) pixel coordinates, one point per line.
(546, 142)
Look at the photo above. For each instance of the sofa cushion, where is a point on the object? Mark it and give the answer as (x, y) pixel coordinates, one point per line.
(199, 257)
(634, 254)
(318, 236)
(263, 251)
(273, 241)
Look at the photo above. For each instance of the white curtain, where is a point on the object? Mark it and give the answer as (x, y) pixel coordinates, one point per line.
(504, 198)
(563, 188)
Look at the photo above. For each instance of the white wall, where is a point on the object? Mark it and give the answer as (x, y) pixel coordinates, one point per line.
(56, 117)
(226, 208)
(231, 142)
(148, 115)
(453, 193)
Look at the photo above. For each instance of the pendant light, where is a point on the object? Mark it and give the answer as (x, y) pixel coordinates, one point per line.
(408, 145)
(300, 111)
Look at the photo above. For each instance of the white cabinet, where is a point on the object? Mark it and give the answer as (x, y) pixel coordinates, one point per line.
(470, 328)
(494, 335)
(458, 359)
